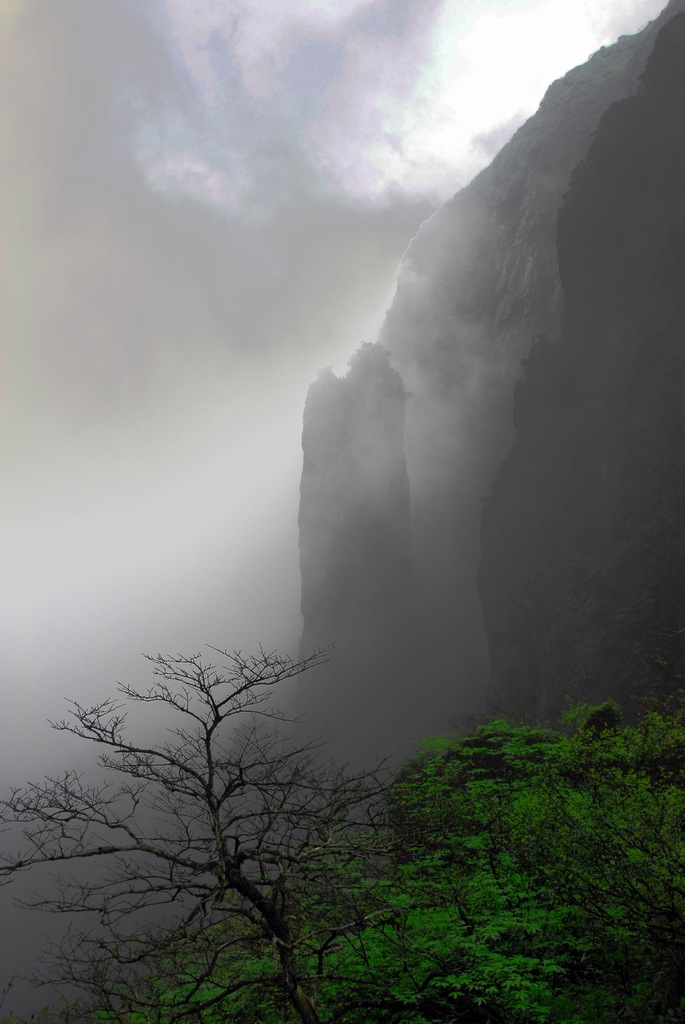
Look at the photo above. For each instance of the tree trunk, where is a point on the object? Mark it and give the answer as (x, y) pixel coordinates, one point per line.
(303, 1005)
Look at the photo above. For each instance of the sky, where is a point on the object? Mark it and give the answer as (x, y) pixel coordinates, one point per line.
(203, 203)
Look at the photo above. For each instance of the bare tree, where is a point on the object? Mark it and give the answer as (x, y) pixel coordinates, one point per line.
(233, 859)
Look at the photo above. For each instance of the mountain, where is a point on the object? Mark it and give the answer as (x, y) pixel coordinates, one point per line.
(478, 285)
(355, 556)
(583, 545)
(355, 477)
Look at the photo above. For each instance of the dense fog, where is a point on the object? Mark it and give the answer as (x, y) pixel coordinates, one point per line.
(202, 209)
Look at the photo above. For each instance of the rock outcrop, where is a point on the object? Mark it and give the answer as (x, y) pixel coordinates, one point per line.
(479, 283)
(583, 563)
(355, 552)
(355, 557)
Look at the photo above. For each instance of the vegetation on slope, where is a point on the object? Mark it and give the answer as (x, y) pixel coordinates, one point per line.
(518, 874)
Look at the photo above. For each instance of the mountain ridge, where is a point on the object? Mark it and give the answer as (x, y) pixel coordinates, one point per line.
(478, 284)
(583, 549)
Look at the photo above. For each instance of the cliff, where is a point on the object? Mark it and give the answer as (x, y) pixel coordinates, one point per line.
(478, 284)
(355, 558)
(354, 510)
(583, 543)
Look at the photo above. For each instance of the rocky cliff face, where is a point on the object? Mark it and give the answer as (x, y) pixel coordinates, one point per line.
(583, 566)
(355, 557)
(354, 512)
(477, 285)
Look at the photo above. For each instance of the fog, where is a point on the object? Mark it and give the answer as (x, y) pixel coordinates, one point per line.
(203, 204)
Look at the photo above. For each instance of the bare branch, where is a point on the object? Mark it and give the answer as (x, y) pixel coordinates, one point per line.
(242, 838)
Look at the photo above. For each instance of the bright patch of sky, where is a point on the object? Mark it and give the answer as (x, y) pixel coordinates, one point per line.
(381, 97)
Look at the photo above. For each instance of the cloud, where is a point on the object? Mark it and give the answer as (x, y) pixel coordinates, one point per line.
(304, 88)
(379, 98)
(174, 275)
(488, 144)
(612, 18)
(357, 139)
(187, 174)
(261, 35)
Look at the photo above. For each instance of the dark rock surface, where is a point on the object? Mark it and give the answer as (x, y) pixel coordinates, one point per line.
(355, 557)
(583, 544)
(478, 284)
(354, 511)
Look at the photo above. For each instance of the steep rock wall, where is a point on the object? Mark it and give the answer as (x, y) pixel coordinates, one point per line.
(354, 511)
(583, 563)
(479, 282)
(477, 285)
(355, 557)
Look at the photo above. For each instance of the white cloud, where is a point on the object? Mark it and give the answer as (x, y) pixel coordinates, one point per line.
(262, 34)
(475, 81)
(188, 174)
(480, 76)
(612, 18)
(407, 108)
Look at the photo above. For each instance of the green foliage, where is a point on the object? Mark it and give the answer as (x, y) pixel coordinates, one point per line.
(537, 875)
(532, 875)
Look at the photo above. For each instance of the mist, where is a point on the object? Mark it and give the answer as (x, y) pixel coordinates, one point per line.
(200, 211)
